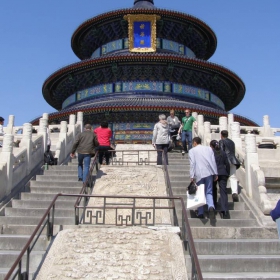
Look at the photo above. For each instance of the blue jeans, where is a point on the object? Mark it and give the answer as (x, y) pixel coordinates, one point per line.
(208, 188)
(186, 136)
(83, 166)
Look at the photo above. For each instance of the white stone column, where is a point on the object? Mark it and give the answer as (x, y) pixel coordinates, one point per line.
(251, 157)
(223, 124)
(235, 134)
(63, 139)
(207, 133)
(27, 142)
(267, 132)
(6, 157)
(200, 127)
(80, 120)
(42, 130)
(10, 125)
(72, 125)
(46, 116)
(230, 121)
(195, 131)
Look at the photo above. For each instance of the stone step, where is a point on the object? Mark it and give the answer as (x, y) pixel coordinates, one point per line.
(23, 229)
(182, 168)
(183, 189)
(177, 161)
(41, 204)
(234, 233)
(58, 185)
(239, 263)
(45, 197)
(61, 172)
(34, 220)
(234, 214)
(7, 258)
(231, 205)
(57, 178)
(223, 222)
(56, 190)
(241, 276)
(33, 212)
(17, 242)
(237, 246)
(63, 167)
(5, 270)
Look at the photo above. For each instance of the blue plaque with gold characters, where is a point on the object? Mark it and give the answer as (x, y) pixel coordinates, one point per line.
(142, 32)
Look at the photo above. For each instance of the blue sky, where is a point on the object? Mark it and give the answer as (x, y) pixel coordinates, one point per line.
(35, 41)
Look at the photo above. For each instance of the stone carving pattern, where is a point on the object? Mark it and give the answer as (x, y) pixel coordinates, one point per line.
(115, 253)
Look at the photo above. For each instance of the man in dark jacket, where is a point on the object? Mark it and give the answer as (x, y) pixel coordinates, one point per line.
(85, 146)
(228, 146)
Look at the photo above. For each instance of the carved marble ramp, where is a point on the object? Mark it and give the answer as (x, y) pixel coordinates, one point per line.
(115, 253)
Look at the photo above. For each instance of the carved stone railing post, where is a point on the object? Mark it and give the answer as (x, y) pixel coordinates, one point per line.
(72, 123)
(230, 121)
(223, 124)
(43, 123)
(194, 131)
(6, 157)
(207, 133)
(27, 142)
(200, 127)
(235, 134)
(267, 132)
(10, 125)
(63, 139)
(45, 116)
(251, 157)
(80, 120)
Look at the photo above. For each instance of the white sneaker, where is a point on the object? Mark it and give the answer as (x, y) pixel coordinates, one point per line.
(183, 152)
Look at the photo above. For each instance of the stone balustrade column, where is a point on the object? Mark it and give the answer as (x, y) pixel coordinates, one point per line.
(46, 116)
(80, 120)
(195, 131)
(200, 127)
(223, 123)
(230, 121)
(6, 157)
(10, 125)
(27, 142)
(63, 139)
(267, 132)
(42, 130)
(251, 157)
(72, 123)
(207, 133)
(235, 134)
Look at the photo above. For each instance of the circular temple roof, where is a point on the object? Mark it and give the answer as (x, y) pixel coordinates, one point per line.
(141, 67)
(179, 27)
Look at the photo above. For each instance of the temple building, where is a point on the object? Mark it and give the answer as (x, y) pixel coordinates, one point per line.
(140, 62)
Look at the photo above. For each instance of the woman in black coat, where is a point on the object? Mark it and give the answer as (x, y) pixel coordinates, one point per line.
(223, 168)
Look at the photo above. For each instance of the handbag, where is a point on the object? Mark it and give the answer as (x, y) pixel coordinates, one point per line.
(196, 200)
(192, 188)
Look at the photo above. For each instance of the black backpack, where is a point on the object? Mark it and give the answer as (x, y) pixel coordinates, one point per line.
(49, 159)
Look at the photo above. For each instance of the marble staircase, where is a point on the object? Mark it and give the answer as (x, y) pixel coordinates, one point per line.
(235, 248)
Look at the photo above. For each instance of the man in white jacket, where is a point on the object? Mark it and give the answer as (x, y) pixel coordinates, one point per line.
(203, 170)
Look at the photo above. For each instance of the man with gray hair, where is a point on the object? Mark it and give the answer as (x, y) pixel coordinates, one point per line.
(85, 145)
(161, 138)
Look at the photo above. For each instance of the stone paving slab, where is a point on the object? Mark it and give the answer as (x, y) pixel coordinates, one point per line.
(115, 253)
